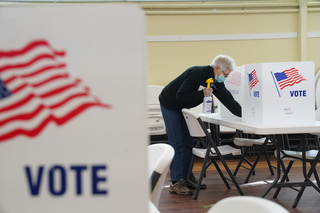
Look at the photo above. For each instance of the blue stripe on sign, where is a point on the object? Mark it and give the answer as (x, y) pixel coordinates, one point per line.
(4, 92)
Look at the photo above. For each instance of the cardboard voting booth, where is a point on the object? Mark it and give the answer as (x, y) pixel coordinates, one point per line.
(235, 84)
(73, 109)
(279, 94)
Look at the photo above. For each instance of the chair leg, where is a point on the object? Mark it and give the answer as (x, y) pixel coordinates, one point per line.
(225, 164)
(285, 144)
(250, 164)
(268, 160)
(190, 169)
(221, 174)
(317, 141)
(312, 169)
(253, 166)
(316, 176)
(243, 158)
(286, 172)
(235, 182)
(205, 160)
(284, 169)
(205, 173)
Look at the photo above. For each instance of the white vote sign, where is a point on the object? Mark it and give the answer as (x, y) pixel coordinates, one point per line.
(235, 84)
(73, 132)
(278, 94)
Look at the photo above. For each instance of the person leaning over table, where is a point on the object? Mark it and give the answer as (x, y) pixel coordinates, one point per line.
(188, 91)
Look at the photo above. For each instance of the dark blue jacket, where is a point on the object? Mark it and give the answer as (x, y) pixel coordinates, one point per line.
(183, 92)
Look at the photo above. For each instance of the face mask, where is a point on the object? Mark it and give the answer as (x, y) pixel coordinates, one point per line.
(220, 79)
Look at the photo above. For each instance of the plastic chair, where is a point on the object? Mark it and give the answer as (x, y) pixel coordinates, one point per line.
(155, 120)
(152, 208)
(211, 151)
(159, 159)
(153, 92)
(248, 143)
(315, 137)
(246, 204)
(292, 156)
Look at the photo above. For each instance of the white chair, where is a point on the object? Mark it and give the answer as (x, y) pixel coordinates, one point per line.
(156, 125)
(153, 208)
(246, 204)
(159, 159)
(248, 143)
(153, 92)
(292, 156)
(313, 136)
(211, 151)
(155, 120)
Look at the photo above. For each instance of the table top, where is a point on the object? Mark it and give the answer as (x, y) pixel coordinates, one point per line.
(237, 123)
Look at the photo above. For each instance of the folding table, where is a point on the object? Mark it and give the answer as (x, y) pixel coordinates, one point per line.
(270, 132)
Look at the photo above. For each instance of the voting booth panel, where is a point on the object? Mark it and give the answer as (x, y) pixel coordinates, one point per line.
(65, 122)
(234, 84)
(279, 93)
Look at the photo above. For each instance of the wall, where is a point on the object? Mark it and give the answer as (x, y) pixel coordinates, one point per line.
(313, 43)
(183, 34)
(187, 34)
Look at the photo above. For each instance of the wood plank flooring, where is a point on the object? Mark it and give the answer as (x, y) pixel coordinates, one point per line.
(216, 190)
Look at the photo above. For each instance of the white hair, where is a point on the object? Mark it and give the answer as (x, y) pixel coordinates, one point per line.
(225, 62)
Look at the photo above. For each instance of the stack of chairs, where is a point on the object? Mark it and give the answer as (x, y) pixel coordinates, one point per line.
(156, 126)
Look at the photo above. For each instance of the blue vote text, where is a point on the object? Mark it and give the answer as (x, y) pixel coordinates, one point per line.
(256, 94)
(58, 175)
(298, 93)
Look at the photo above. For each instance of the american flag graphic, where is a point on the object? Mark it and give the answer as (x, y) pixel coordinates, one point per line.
(288, 78)
(36, 89)
(234, 78)
(253, 79)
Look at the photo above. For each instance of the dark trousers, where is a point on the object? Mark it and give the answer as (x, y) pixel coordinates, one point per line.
(181, 141)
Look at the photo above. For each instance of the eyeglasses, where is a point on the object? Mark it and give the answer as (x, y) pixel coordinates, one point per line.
(225, 75)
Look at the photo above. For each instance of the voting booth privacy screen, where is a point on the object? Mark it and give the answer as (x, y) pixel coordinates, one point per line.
(73, 109)
(234, 83)
(279, 94)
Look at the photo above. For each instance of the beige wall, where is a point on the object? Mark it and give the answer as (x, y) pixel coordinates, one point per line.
(167, 59)
(313, 44)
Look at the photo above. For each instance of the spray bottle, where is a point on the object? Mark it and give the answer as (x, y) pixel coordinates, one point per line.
(207, 101)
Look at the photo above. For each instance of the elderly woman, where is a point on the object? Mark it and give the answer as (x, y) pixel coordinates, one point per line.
(188, 91)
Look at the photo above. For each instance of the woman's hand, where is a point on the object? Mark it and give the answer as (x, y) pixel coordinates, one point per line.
(207, 92)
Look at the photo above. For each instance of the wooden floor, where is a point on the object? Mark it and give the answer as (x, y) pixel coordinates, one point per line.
(216, 190)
